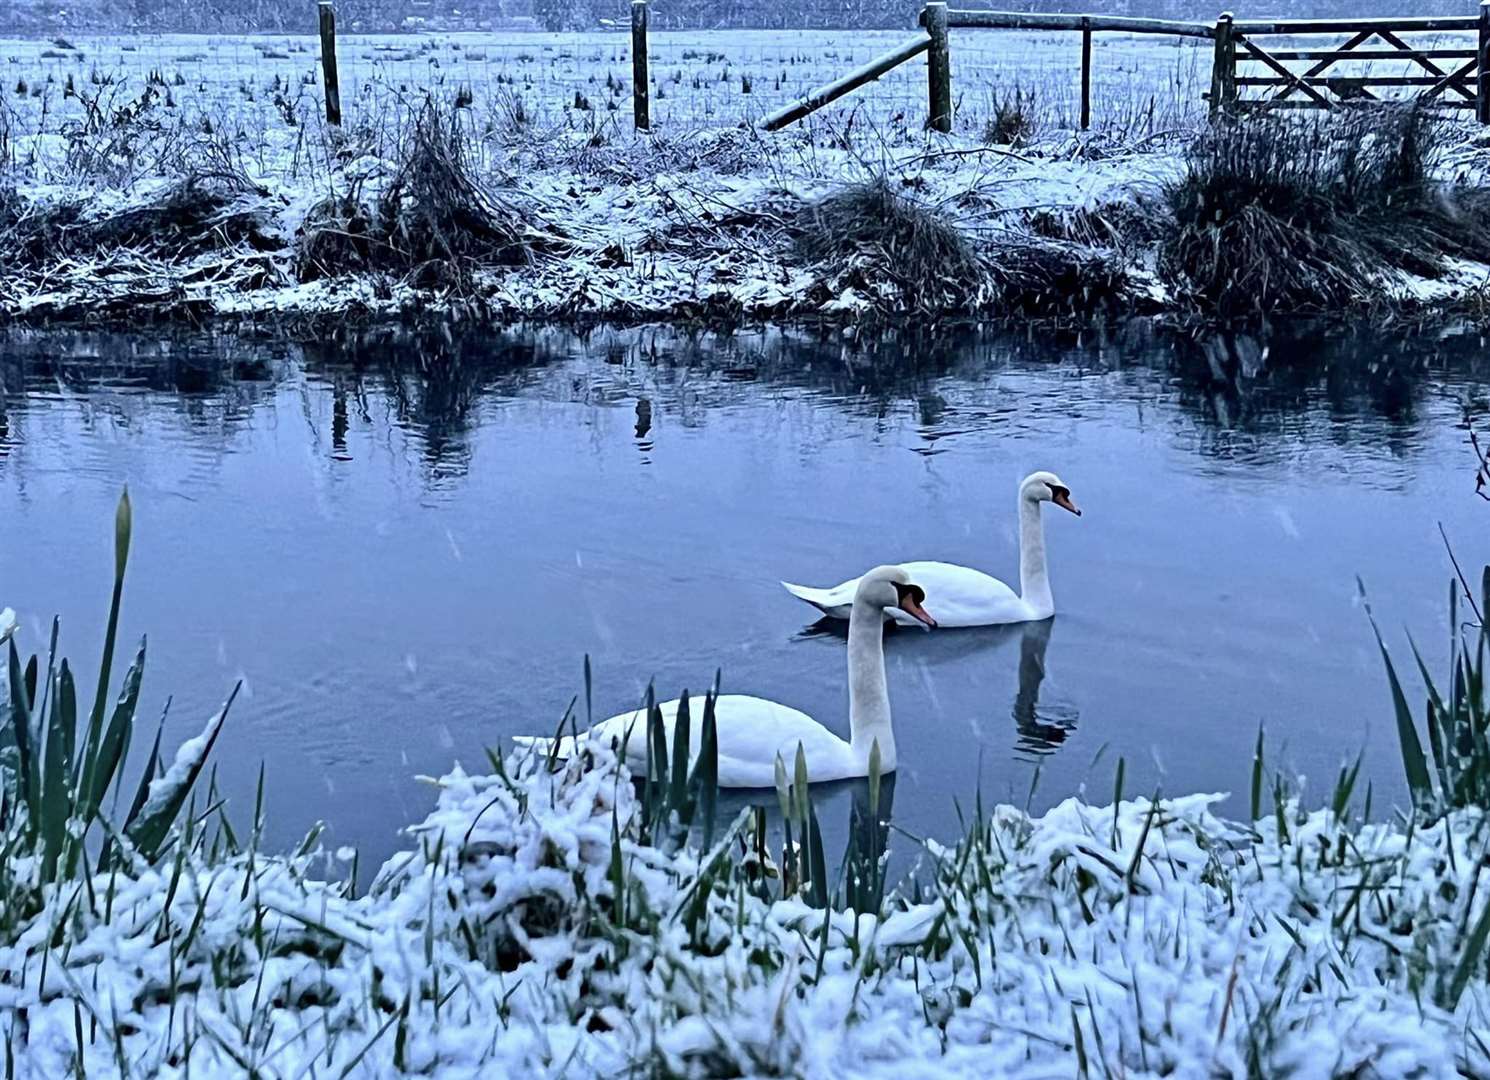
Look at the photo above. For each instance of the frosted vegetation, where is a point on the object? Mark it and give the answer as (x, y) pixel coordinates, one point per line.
(381, 15)
(188, 181)
(555, 917)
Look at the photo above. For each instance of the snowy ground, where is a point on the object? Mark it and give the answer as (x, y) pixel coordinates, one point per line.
(583, 80)
(694, 219)
(526, 932)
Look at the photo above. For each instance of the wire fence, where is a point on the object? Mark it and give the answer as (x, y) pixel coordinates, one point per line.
(267, 87)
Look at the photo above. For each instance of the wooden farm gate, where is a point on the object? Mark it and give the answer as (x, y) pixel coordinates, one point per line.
(1298, 72)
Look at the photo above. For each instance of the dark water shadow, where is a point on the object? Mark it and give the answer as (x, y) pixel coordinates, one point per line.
(1238, 389)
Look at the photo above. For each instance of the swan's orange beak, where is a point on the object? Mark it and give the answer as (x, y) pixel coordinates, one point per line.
(1062, 498)
(911, 598)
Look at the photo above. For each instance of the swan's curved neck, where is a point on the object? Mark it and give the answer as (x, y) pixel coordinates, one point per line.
(868, 694)
(1034, 580)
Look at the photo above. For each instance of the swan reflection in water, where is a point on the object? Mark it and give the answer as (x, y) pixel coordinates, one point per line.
(1040, 730)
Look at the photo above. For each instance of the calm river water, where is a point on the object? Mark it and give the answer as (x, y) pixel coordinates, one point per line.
(406, 546)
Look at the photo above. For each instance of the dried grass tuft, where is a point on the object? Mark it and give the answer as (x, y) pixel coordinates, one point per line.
(435, 222)
(868, 235)
(435, 218)
(1052, 278)
(1284, 213)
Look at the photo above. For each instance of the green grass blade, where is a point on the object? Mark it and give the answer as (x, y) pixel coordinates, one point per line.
(817, 868)
(617, 872)
(1440, 729)
(1257, 773)
(799, 785)
(1346, 785)
(1419, 783)
(657, 740)
(31, 687)
(103, 759)
(29, 772)
(704, 786)
(1471, 958)
(123, 527)
(56, 803)
(164, 800)
(677, 796)
(147, 777)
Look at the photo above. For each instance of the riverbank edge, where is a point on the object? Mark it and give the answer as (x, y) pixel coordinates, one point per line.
(1069, 233)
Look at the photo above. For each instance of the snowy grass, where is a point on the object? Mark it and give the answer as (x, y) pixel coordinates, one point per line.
(121, 194)
(543, 224)
(530, 929)
(268, 87)
(58, 767)
(555, 917)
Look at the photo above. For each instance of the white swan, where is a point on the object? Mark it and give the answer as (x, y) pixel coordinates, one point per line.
(966, 597)
(753, 731)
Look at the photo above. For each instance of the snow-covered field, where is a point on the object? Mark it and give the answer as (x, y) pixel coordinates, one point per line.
(527, 932)
(583, 80)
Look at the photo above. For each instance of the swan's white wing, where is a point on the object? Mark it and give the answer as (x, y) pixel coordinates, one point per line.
(836, 602)
(955, 596)
(960, 596)
(751, 732)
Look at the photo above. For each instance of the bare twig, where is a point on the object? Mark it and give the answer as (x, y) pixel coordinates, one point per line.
(1463, 582)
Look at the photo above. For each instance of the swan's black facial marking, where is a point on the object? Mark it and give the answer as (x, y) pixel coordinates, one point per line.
(1061, 496)
(915, 592)
(911, 598)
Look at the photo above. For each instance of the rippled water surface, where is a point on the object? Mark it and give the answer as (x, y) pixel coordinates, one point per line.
(405, 547)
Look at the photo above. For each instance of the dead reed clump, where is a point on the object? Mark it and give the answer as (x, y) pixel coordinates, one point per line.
(436, 221)
(1053, 278)
(339, 236)
(433, 222)
(1279, 213)
(1013, 118)
(1121, 224)
(199, 213)
(869, 236)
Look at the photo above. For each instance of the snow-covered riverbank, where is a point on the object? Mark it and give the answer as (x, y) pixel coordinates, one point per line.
(705, 225)
(516, 938)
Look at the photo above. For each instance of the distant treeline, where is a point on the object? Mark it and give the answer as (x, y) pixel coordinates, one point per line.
(298, 16)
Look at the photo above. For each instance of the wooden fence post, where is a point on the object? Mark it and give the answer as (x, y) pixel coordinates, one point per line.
(1482, 73)
(1223, 67)
(328, 62)
(939, 68)
(1086, 72)
(641, 90)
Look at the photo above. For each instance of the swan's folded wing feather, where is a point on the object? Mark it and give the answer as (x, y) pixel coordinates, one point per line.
(961, 596)
(835, 602)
